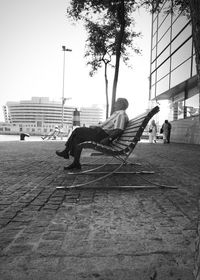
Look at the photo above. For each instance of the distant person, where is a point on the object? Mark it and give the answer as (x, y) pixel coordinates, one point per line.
(53, 134)
(152, 132)
(103, 133)
(166, 130)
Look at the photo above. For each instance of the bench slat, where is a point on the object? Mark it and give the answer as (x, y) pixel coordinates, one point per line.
(131, 131)
(119, 146)
(136, 125)
(131, 122)
(141, 115)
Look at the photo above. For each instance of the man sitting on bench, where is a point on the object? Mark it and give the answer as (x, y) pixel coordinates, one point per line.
(104, 133)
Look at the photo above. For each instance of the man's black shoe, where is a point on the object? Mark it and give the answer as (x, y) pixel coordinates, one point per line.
(73, 166)
(63, 154)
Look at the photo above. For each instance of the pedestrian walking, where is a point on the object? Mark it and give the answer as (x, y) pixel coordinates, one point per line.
(152, 132)
(166, 130)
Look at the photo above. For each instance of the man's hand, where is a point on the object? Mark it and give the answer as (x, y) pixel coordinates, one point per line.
(97, 125)
(115, 133)
(106, 141)
(93, 126)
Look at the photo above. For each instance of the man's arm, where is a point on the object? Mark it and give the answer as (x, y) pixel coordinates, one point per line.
(112, 135)
(119, 127)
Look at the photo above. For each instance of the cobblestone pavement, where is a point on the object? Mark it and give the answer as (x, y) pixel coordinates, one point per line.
(101, 231)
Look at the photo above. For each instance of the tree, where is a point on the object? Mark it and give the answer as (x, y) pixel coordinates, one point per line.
(115, 16)
(98, 51)
(194, 8)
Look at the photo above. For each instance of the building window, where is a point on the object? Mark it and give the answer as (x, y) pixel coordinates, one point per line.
(179, 110)
(177, 106)
(163, 70)
(39, 123)
(182, 54)
(194, 67)
(179, 23)
(181, 73)
(163, 30)
(192, 106)
(162, 85)
(183, 108)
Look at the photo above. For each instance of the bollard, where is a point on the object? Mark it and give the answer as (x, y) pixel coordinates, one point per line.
(23, 135)
(76, 118)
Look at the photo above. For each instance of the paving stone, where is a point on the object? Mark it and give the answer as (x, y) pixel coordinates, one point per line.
(98, 232)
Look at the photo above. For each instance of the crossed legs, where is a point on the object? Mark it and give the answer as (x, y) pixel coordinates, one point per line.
(78, 136)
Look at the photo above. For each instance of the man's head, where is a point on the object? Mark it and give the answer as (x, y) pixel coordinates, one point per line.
(121, 104)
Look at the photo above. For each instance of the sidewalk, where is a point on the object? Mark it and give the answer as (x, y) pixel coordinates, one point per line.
(98, 232)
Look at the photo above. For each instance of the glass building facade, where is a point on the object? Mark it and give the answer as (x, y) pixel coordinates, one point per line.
(173, 75)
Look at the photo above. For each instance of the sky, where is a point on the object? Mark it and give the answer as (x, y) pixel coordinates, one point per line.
(32, 34)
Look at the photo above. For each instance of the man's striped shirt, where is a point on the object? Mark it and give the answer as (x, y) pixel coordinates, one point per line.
(118, 120)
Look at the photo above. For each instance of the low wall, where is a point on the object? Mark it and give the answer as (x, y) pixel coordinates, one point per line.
(186, 131)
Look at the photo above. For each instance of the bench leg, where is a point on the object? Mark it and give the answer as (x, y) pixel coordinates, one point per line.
(92, 172)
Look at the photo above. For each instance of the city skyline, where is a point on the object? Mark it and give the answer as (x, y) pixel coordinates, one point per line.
(33, 34)
(40, 116)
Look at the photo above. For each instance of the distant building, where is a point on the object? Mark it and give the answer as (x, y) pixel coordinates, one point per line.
(40, 116)
(90, 115)
(173, 76)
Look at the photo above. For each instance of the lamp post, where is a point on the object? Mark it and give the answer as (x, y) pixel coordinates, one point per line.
(63, 89)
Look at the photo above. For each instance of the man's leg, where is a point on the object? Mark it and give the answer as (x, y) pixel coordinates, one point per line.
(78, 136)
(76, 162)
(64, 153)
(168, 137)
(72, 141)
(68, 145)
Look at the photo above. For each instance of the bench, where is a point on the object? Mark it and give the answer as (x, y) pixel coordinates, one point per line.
(120, 149)
(125, 144)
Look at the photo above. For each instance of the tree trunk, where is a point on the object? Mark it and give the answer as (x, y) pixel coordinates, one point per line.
(106, 88)
(118, 42)
(114, 90)
(195, 16)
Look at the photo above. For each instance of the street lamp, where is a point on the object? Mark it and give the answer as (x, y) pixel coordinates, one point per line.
(63, 89)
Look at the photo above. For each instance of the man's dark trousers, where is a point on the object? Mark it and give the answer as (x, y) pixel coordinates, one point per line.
(80, 135)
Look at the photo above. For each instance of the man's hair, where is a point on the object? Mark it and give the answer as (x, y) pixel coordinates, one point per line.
(123, 101)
